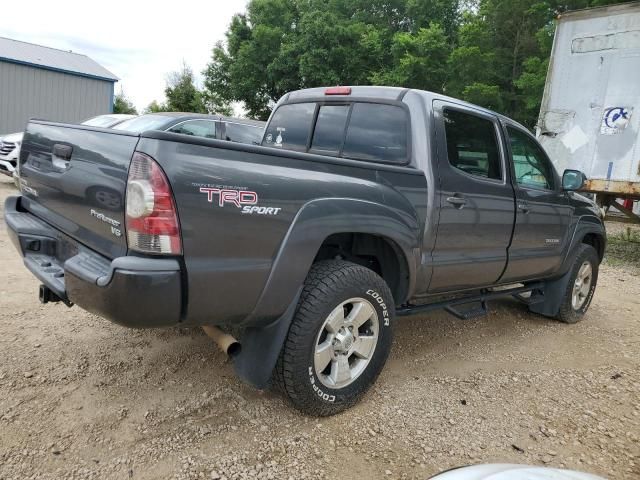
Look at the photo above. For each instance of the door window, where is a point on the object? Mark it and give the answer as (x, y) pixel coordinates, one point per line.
(472, 144)
(532, 167)
(197, 128)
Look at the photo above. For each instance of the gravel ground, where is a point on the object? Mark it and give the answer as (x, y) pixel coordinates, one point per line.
(83, 398)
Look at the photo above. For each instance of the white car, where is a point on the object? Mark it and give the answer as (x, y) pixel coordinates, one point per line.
(9, 152)
(512, 472)
(107, 121)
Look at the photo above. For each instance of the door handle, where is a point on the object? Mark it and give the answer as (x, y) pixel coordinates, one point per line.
(457, 201)
(523, 207)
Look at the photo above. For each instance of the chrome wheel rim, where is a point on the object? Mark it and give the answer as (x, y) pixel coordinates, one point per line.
(346, 342)
(582, 285)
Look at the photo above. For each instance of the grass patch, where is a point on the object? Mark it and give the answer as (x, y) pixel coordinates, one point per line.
(623, 248)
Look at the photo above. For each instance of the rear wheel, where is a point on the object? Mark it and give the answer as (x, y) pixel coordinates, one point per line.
(339, 339)
(581, 286)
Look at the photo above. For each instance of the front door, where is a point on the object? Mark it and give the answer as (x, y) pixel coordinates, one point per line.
(476, 199)
(543, 214)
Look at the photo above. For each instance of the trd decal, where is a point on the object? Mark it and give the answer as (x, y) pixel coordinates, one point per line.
(234, 197)
(244, 199)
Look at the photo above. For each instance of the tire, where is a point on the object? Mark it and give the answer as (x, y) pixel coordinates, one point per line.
(314, 338)
(573, 307)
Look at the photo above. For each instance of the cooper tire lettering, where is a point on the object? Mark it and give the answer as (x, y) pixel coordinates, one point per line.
(380, 301)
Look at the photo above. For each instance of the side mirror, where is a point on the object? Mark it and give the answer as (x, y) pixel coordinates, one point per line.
(573, 180)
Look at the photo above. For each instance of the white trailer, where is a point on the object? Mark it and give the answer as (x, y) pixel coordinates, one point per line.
(590, 114)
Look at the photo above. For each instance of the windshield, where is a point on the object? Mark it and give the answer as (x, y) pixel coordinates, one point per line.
(144, 123)
(101, 121)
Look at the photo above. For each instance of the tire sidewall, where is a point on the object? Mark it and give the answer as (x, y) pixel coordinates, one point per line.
(378, 295)
(590, 255)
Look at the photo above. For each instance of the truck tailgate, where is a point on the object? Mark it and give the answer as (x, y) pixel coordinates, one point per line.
(74, 178)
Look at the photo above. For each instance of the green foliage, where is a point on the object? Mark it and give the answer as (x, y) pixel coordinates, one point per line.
(488, 96)
(419, 60)
(182, 93)
(491, 52)
(121, 104)
(155, 107)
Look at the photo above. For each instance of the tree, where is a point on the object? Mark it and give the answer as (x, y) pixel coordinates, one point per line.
(155, 107)
(283, 45)
(121, 104)
(182, 93)
(419, 60)
(491, 52)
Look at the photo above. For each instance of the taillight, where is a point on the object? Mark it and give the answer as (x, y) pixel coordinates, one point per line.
(151, 216)
(338, 91)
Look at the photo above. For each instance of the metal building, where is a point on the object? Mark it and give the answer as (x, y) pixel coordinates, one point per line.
(51, 84)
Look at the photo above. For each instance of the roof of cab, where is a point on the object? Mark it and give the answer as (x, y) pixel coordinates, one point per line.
(385, 93)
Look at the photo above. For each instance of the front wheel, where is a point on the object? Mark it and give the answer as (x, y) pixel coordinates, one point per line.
(339, 339)
(581, 286)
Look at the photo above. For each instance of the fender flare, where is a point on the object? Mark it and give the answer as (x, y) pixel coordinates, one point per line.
(555, 288)
(269, 322)
(317, 220)
(586, 224)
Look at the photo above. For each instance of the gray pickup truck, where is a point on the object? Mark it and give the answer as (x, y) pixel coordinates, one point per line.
(361, 204)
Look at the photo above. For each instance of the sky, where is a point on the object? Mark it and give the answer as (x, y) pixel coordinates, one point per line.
(139, 41)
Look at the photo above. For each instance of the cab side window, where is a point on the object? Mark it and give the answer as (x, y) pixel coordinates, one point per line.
(196, 128)
(472, 144)
(532, 167)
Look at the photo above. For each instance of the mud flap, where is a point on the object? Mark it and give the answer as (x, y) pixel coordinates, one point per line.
(261, 347)
(554, 291)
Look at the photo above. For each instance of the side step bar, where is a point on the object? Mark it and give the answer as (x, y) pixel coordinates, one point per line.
(536, 290)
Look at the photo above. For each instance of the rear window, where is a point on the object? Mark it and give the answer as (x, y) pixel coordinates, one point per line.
(236, 132)
(365, 131)
(329, 131)
(289, 127)
(377, 132)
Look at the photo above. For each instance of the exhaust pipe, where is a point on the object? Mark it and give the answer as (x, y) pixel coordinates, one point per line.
(227, 343)
(46, 295)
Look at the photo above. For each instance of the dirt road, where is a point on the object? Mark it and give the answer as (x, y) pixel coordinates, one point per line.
(83, 398)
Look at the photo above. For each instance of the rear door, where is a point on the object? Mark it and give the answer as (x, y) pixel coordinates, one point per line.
(543, 214)
(476, 199)
(74, 178)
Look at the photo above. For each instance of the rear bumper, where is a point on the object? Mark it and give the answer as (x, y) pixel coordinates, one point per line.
(137, 292)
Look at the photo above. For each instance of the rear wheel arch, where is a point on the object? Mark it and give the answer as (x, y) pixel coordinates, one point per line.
(376, 252)
(321, 219)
